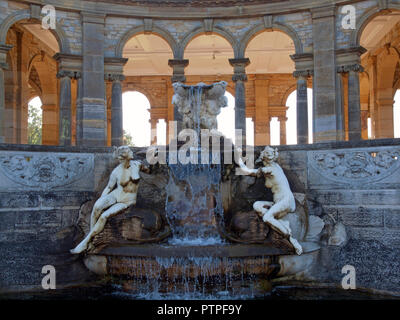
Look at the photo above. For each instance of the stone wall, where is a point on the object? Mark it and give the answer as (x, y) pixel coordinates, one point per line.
(42, 189)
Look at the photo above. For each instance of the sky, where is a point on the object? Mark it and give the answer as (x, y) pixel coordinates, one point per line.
(136, 118)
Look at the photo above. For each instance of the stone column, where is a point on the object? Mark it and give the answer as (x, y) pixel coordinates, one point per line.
(261, 116)
(178, 75)
(353, 99)
(49, 124)
(354, 112)
(65, 118)
(94, 119)
(325, 115)
(240, 77)
(282, 131)
(117, 130)
(153, 123)
(3, 66)
(79, 112)
(302, 106)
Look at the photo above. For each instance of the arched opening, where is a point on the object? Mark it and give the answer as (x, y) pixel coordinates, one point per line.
(291, 113)
(226, 119)
(380, 36)
(35, 121)
(208, 55)
(31, 72)
(146, 70)
(136, 119)
(271, 70)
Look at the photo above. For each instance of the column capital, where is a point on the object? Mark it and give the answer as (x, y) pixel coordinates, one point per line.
(178, 62)
(239, 62)
(239, 68)
(303, 74)
(282, 118)
(114, 77)
(356, 67)
(178, 69)
(66, 73)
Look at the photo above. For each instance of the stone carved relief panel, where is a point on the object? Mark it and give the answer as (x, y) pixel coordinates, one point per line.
(46, 171)
(355, 166)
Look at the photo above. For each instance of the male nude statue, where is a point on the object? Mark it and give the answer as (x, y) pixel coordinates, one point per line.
(284, 201)
(120, 193)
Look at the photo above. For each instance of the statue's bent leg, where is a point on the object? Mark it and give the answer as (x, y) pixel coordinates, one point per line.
(99, 226)
(259, 206)
(100, 205)
(280, 210)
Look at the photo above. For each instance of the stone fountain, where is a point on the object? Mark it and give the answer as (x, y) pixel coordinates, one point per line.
(201, 229)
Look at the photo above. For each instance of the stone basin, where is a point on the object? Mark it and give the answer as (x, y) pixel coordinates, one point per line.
(176, 261)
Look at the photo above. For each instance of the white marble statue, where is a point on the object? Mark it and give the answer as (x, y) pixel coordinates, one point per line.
(284, 201)
(211, 102)
(120, 193)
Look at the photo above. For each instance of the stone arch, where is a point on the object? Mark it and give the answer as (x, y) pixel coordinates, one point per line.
(289, 91)
(201, 31)
(141, 30)
(141, 90)
(363, 21)
(19, 15)
(276, 26)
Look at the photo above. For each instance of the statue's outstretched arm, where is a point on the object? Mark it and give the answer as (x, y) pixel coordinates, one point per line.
(111, 184)
(248, 171)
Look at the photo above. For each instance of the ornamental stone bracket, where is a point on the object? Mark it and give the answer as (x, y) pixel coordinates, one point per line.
(46, 171)
(357, 168)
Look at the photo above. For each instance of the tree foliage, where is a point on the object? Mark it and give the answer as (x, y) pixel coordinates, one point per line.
(128, 140)
(34, 125)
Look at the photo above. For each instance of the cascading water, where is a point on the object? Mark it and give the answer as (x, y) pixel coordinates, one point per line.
(193, 196)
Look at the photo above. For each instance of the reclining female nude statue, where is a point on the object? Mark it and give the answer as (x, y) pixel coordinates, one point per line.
(120, 193)
(284, 201)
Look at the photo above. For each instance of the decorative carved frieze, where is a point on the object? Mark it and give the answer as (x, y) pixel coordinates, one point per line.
(45, 171)
(355, 166)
